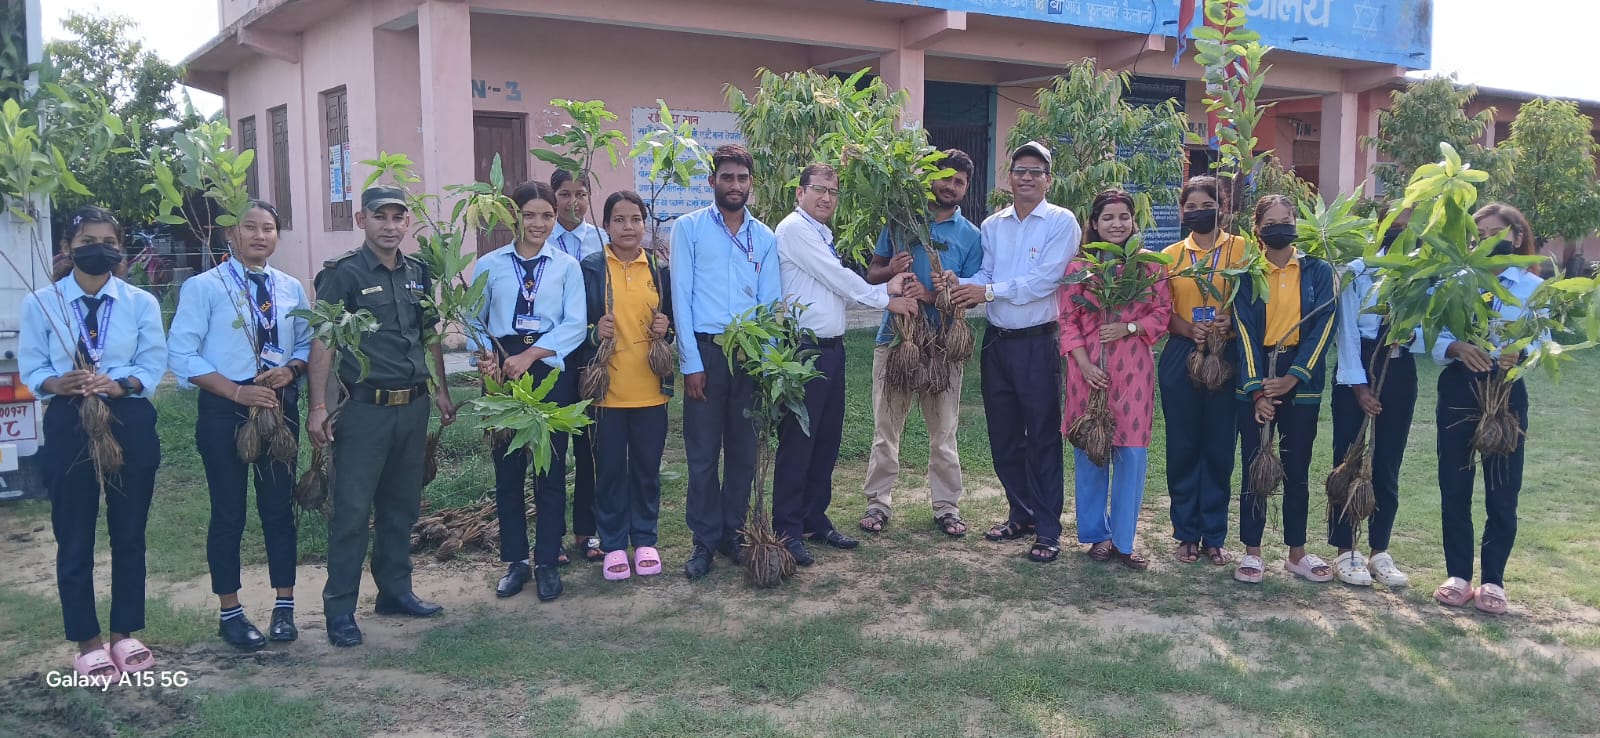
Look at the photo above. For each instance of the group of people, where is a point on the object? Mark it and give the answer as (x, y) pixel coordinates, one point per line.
(563, 288)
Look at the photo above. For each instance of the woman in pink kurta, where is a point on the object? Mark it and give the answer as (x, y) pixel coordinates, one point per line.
(1126, 336)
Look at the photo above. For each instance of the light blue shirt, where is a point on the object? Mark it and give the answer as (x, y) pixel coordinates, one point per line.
(1355, 324)
(579, 242)
(714, 280)
(134, 344)
(1521, 285)
(558, 304)
(216, 323)
(962, 253)
(1024, 260)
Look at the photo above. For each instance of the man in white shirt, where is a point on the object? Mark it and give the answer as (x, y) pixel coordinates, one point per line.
(1026, 248)
(812, 277)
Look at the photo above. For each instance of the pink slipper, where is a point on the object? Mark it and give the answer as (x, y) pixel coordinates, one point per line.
(617, 566)
(1455, 592)
(86, 664)
(127, 650)
(646, 561)
(1490, 598)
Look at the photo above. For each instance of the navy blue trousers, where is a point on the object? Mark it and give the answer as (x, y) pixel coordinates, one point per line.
(802, 483)
(1021, 383)
(1390, 430)
(549, 488)
(1502, 479)
(627, 503)
(228, 478)
(720, 445)
(1200, 445)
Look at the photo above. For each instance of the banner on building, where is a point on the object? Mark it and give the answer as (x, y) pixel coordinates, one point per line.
(336, 174)
(711, 129)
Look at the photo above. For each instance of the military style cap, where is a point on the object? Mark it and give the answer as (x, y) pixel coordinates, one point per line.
(375, 198)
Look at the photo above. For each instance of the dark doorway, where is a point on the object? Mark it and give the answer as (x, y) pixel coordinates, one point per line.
(505, 134)
(961, 116)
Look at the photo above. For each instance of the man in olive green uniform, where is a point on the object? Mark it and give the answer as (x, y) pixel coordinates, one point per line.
(378, 444)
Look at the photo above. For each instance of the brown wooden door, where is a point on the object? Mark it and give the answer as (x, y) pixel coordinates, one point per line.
(505, 134)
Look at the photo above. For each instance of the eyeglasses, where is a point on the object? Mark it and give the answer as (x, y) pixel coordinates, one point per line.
(821, 190)
(1026, 172)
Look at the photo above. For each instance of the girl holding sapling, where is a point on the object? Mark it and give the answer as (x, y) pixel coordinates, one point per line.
(1284, 336)
(233, 337)
(1110, 383)
(1200, 415)
(1471, 370)
(92, 347)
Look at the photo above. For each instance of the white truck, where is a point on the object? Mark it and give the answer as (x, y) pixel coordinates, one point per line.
(26, 245)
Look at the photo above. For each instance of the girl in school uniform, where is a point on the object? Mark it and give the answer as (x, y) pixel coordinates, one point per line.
(233, 337)
(1124, 335)
(1284, 336)
(531, 321)
(1199, 422)
(91, 333)
(630, 302)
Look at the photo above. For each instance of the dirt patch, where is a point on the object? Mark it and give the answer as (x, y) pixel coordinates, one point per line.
(29, 706)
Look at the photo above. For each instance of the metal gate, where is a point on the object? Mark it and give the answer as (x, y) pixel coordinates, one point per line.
(975, 140)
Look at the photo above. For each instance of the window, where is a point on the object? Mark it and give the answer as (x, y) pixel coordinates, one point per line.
(247, 142)
(280, 164)
(336, 137)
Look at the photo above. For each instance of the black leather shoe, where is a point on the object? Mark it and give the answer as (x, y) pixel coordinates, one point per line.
(836, 539)
(699, 563)
(342, 631)
(517, 575)
(801, 555)
(734, 550)
(242, 634)
(548, 581)
(282, 628)
(405, 603)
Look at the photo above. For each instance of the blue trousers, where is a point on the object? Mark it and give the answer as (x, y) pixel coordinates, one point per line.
(1200, 446)
(1124, 482)
(549, 488)
(1502, 479)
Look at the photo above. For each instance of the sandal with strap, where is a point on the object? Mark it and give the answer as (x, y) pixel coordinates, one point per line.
(1010, 530)
(96, 665)
(951, 524)
(1490, 598)
(1133, 561)
(123, 652)
(1455, 592)
(1251, 569)
(1100, 551)
(874, 521)
(1219, 556)
(1044, 552)
(1187, 552)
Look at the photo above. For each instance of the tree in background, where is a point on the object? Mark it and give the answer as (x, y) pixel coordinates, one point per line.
(1420, 117)
(105, 53)
(1100, 141)
(1552, 162)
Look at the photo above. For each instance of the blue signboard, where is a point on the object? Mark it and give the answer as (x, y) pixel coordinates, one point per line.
(1152, 91)
(1392, 31)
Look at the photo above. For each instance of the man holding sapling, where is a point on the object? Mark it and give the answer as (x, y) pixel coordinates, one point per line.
(960, 251)
(378, 440)
(724, 263)
(1026, 248)
(814, 280)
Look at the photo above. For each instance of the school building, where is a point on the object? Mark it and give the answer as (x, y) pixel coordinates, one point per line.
(315, 86)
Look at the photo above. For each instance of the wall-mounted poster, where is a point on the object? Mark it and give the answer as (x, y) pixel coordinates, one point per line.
(711, 129)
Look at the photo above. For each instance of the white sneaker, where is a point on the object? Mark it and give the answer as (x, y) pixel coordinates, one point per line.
(1351, 568)
(1383, 569)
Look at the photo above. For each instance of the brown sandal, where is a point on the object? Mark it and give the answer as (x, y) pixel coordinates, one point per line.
(1133, 561)
(1100, 551)
(1187, 553)
(1219, 556)
(874, 521)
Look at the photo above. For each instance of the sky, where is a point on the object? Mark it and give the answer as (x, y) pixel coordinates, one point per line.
(1535, 46)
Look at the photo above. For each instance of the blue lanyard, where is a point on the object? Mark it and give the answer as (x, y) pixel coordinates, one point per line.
(94, 341)
(267, 312)
(561, 241)
(822, 231)
(748, 248)
(531, 279)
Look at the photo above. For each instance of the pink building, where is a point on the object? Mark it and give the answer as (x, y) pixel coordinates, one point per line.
(316, 86)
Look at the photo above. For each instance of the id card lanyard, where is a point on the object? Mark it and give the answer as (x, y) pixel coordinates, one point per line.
(94, 342)
(267, 312)
(528, 289)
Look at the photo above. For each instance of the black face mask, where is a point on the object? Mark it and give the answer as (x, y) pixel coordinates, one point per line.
(1278, 235)
(1201, 221)
(96, 258)
(1504, 248)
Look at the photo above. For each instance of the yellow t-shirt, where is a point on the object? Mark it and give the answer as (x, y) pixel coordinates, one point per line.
(1186, 294)
(634, 303)
(1283, 304)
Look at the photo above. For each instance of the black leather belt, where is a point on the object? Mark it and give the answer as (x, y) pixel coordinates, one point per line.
(829, 343)
(1042, 329)
(705, 337)
(518, 343)
(387, 397)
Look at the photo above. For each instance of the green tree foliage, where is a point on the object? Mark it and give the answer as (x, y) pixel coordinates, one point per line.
(105, 53)
(1428, 112)
(1552, 158)
(1272, 179)
(578, 143)
(1099, 141)
(1232, 56)
(13, 49)
(676, 160)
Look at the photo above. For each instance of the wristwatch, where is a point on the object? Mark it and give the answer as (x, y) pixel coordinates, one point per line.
(126, 383)
(1133, 328)
(988, 293)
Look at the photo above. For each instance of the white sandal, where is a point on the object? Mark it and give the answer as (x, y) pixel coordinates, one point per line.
(1307, 568)
(1250, 561)
(1352, 569)
(1383, 569)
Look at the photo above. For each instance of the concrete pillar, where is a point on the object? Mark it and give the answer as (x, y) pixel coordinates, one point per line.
(1340, 119)
(902, 69)
(444, 29)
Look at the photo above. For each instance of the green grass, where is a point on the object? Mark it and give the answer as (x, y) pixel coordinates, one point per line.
(918, 634)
